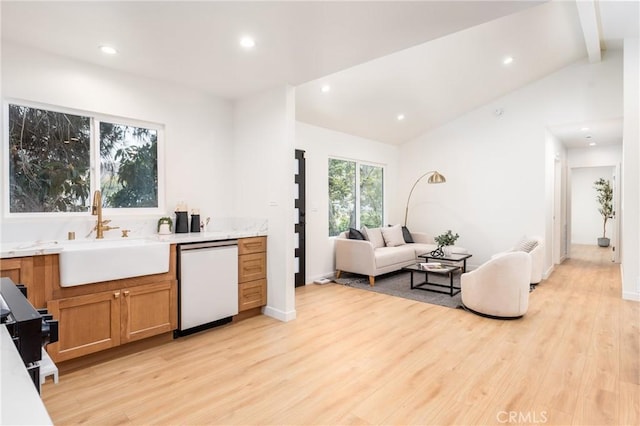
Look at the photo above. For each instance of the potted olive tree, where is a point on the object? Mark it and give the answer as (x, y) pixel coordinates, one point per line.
(604, 196)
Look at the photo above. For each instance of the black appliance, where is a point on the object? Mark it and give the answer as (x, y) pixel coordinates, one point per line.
(30, 329)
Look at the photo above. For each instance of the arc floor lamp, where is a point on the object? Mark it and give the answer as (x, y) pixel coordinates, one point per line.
(434, 178)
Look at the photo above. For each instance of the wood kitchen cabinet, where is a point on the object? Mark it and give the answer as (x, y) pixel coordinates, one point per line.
(148, 310)
(99, 321)
(86, 324)
(35, 272)
(252, 273)
(19, 269)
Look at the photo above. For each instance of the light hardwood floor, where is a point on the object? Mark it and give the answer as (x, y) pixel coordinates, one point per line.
(359, 357)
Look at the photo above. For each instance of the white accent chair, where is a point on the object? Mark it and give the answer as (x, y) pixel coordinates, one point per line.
(536, 253)
(498, 288)
(537, 260)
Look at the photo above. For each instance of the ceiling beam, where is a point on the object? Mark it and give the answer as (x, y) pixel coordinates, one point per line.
(590, 29)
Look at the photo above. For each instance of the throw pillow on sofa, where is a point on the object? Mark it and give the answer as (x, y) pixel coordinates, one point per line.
(407, 235)
(526, 245)
(374, 236)
(354, 234)
(392, 236)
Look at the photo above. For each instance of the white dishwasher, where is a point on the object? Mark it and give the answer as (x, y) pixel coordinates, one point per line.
(208, 285)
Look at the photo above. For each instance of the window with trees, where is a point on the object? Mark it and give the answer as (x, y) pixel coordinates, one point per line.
(356, 195)
(52, 168)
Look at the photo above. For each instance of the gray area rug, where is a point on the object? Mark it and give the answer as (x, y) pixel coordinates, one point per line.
(399, 284)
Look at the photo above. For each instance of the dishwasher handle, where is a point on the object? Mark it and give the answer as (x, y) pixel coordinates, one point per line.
(208, 244)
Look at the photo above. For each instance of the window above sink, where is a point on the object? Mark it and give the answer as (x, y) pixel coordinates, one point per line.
(57, 157)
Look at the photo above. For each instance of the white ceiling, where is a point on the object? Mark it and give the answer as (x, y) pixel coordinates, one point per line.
(196, 43)
(581, 135)
(447, 56)
(436, 82)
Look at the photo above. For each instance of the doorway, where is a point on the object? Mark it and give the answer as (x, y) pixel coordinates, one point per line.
(586, 224)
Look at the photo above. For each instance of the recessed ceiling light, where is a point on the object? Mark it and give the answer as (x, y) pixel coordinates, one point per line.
(109, 50)
(507, 60)
(247, 42)
(585, 129)
(588, 137)
(325, 88)
(592, 144)
(400, 117)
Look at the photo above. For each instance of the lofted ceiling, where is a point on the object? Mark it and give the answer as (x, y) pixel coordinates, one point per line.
(429, 60)
(435, 82)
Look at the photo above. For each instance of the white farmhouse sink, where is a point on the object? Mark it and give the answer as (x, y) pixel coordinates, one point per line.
(91, 261)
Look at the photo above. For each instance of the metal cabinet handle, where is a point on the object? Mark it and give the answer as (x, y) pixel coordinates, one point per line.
(126, 292)
(116, 294)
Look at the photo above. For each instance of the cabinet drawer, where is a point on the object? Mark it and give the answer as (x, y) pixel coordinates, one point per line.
(252, 245)
(252, 267)
(252, 295)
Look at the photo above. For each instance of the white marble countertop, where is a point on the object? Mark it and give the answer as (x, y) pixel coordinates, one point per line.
(30, 248)
(21, 403)
(194, 237)
(39, 248)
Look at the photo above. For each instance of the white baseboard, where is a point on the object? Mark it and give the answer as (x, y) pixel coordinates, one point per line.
(631, 295)
(327, 276)
(278, 314)
(548, 272)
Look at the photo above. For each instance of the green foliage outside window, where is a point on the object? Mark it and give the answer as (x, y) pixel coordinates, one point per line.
(371, 199)
(129, 166)
(342, 196)
(349, 182)
(50, 162)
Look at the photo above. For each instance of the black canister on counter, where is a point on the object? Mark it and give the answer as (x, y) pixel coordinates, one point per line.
(182, 223)
(195, 222)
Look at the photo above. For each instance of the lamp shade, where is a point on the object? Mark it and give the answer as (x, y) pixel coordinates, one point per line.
(436, 178)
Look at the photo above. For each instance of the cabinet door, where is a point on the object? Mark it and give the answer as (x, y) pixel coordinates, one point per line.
(148, 310)
(86, 324)
(20, 271)
(252, 267)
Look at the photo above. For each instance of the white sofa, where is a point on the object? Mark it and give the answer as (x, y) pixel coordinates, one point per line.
(499, 288)
(365, 258)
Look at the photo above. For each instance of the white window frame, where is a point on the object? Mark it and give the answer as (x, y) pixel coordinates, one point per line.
(94, 179)
(358, 224)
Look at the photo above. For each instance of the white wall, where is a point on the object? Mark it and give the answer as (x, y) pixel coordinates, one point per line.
(497, 166)
(264, 169)
(198, 133)
(556, 175)
(586, 221)
(596, 156)
(320, 144)
(630, 208)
